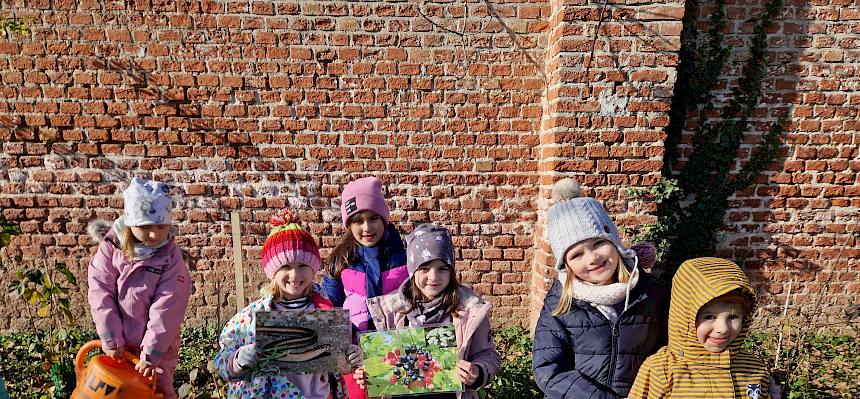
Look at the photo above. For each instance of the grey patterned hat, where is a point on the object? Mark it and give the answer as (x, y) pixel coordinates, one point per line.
(426, 243)
(573, 219)
(146, 202)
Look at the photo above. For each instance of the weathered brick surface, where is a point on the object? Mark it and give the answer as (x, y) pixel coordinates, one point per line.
(467, 110)
(605, 109)
(250, 106)
(793, 224)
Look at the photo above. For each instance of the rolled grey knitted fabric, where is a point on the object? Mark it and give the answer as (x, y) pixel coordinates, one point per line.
(573, 219)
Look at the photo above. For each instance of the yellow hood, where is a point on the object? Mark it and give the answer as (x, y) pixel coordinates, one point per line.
(697, 282)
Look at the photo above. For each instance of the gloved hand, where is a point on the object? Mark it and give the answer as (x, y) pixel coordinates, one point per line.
(246, 357)
(354, 356)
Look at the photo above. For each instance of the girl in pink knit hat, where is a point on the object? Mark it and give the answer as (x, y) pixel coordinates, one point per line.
(291, 260)
(368, 261)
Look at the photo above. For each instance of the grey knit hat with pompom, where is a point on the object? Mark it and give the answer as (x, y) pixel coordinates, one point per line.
(572, 219)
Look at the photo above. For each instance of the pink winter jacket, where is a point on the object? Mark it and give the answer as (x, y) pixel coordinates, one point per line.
(471, 326)
(139, 304)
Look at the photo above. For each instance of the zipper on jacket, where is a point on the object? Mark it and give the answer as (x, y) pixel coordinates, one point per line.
(613, 353)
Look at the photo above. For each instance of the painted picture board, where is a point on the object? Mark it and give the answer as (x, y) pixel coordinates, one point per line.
(411, 361)
(302, 341)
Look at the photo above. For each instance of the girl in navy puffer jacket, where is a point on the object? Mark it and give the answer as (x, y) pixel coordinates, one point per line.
(602, 317)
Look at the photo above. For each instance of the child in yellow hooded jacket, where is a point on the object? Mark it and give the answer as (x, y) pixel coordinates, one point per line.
(709, 315)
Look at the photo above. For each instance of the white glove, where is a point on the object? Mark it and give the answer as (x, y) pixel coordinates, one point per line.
(246, 357)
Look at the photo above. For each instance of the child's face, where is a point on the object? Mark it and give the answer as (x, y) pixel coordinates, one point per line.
(367, 228)
(294, 279)
(594, 260)
(432, 278)
(718, 324)
(151, 234)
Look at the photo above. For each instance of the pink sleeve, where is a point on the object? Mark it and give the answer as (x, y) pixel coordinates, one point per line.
(392, 279)
(167, 310)
(101, 278)
(483, 352)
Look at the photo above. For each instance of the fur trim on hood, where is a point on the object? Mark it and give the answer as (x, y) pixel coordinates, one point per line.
(98, 229)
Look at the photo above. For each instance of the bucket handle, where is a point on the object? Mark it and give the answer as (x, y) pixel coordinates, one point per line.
(96, 344)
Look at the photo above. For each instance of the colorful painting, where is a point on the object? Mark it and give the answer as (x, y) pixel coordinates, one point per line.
(302, 341)
(411, 361)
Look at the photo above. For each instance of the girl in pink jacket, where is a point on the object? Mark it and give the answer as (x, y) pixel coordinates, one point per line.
(432, 295)
(139, 284)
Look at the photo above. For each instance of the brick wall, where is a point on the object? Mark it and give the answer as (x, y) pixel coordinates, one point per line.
(467, 110)
(251, 106)
(794, 226)
(605, 109)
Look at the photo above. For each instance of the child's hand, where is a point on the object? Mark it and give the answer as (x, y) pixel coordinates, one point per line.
(147, 368)
(246, 357)
(354, 357)
(468, 372)
(360, 377)
(114, 353)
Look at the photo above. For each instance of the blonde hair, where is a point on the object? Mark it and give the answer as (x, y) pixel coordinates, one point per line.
(273, 289)
(622, 275)
(128, 242)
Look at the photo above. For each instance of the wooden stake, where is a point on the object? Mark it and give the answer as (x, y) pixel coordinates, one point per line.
(238, 270)
(784, 312)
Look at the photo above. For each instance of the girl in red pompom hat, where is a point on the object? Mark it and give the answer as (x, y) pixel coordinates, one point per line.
(291, 260)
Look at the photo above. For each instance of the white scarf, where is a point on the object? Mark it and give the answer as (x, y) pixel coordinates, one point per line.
(604, 296)
(141, 251)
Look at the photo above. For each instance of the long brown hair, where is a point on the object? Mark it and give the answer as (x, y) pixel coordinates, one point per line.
(450, 295)
(342, 255)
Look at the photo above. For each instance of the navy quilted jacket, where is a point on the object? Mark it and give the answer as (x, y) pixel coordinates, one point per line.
(581, 354)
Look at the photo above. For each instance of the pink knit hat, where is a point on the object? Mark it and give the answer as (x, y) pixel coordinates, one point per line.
(363, 194)
(288, 242)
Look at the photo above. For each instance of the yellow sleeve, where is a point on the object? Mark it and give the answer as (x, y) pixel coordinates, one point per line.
(653, 381)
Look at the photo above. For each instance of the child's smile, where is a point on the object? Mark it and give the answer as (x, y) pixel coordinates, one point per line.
(294, 279)
(718, 324)
(367, 228)
(594, 260)
(432, 278)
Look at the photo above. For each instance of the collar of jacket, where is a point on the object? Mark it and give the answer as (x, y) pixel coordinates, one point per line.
(472, 307)
(637, 294)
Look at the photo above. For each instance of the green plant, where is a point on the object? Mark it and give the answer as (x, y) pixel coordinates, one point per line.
(18, 26)
(7, 230)
(514, 379)
(814, 365)
(23, 369)
(195, 376)
(692, 201)
(41, 287)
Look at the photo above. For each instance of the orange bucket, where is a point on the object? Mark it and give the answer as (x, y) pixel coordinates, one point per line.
(107, 378)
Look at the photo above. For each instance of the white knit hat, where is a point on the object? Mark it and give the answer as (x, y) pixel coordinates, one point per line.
(146, 202)
(573, 219)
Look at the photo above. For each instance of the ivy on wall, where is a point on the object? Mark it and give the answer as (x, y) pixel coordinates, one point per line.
(693, 198)
(16, 26)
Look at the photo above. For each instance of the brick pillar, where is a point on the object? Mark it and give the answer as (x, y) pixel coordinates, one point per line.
(603, 116)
